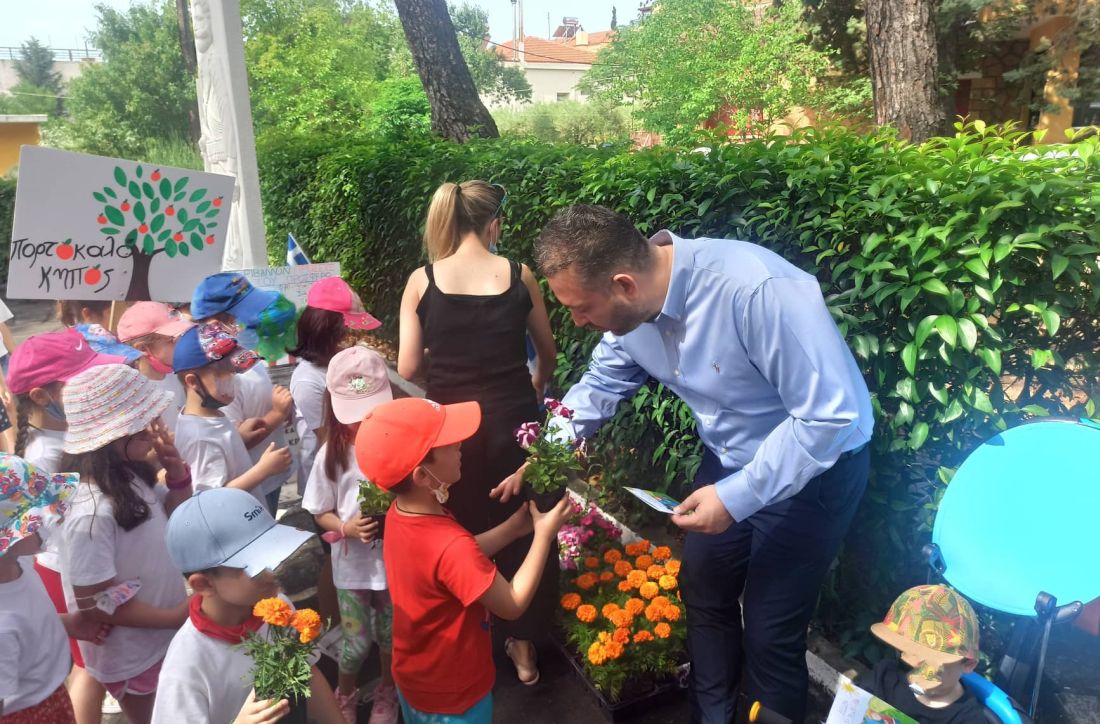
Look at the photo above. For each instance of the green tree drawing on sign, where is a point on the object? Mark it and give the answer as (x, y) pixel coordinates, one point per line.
(156, 215)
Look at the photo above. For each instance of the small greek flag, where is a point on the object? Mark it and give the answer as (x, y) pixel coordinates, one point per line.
(294, 254)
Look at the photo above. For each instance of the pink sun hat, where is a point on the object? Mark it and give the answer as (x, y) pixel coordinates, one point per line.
(107, 403)
(151, 318)
(334, 295)
(357, 381)
(53, 357)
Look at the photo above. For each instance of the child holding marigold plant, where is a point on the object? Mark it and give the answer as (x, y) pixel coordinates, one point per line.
(625, 618)
(239, 628)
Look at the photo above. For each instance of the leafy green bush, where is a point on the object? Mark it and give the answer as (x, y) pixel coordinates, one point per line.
(565, 122)
(963, 273)
(7, 214)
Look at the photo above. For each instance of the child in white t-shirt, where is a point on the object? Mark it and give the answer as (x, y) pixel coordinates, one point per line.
(38, 371)
(259, 409)
(207, 359)
(152, 328)
(32, 635)
(356, 381)
(227, 544)
(115, 566)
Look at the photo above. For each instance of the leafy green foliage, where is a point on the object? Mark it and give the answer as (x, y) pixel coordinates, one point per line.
(7, 217)
(400, 109)
(35, 66)
(24, 98)
(565, 122)
(140, 91)
(316, 65)
(492, 78)
(963, 273)
(749, 62)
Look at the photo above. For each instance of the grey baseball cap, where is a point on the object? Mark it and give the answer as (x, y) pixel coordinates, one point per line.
(229, 527)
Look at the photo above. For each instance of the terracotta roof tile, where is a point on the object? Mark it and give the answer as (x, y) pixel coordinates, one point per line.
(540, 50)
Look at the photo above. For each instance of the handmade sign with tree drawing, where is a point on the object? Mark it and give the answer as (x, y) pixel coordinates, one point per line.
(89, 227)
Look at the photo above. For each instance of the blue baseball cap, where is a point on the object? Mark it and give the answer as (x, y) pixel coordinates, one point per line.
(101, 341)
(231, 292)
(229, 527)
(206, 343)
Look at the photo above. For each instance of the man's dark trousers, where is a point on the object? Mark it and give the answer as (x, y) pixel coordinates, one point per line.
(777, 558)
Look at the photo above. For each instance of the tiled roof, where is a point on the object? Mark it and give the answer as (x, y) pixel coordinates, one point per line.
(540, 50)
(600, 37)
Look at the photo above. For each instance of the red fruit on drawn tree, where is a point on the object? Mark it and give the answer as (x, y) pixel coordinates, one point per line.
(93, 276)
(210, 239)
(101, 219)
(125, 206)
(156, 175)
(178, 236)
(170, 211)
(65, 251)
(143, 228)
(217, 202)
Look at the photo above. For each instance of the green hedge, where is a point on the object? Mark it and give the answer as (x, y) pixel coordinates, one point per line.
(963, 273)
(7, 216)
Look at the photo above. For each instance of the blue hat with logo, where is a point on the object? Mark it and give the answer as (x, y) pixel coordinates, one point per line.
(231, 292)
(229, 527)
(206, 343)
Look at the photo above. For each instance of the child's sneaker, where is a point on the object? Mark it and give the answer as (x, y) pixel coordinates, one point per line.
(348, 704)
(110, 705)
(385, 708)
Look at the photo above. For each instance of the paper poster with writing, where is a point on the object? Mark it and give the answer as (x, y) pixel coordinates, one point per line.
(90, 227)
(293, 282)
(853, 705)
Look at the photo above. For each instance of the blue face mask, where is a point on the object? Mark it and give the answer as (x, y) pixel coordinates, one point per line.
(55, 410)
(248, 338)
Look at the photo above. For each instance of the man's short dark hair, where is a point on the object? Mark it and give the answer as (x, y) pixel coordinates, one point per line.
(596, 241)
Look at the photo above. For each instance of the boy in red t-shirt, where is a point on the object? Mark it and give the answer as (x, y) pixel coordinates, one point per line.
(441, 580)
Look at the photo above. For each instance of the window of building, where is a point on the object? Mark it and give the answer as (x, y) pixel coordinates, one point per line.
(563, 96)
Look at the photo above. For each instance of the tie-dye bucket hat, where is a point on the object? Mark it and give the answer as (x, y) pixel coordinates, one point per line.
(30, 499)
(934, 617)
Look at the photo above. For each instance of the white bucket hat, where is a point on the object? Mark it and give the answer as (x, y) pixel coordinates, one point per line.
(107, 403)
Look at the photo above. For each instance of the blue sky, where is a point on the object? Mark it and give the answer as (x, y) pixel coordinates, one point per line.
(64, 23)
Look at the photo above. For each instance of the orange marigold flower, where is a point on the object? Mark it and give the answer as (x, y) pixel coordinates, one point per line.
(606, 576)
(614, 649)
(636, 578)
(662, 630)
(643, 562)
(585, 581)
(662, 553)
(586, 613)
(655, 572)
(570, 601)
(653, 613)
(625, 586)
(622, 619)
(596, 654)
(306, 618)
(308, 634)
(623, 568)
(661, 601)
(644, 546)
(635, 606)
(671, 613)
(273, 611)
(614, 555)
(591, 562)
(631, 549)
(604, 637)
(642, 636)
(672, 567)
(668, 583)
(621, 636)
(608, 609)
(648, 590)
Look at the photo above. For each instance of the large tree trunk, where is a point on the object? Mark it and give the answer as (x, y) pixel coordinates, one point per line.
(901, 35)
(190, 61)
(457, 111)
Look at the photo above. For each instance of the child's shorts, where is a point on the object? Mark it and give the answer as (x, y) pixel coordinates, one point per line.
(366, 617)
(143, 684)
(479, 713)
(56, 708)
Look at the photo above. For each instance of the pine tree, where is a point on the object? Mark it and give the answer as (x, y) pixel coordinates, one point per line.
(35, 66)
(614, 18)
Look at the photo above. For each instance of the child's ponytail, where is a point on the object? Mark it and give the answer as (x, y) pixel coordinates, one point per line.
(23, 406)
(339, 438)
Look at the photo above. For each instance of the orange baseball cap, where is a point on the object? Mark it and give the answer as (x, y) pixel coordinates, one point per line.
(396, 436)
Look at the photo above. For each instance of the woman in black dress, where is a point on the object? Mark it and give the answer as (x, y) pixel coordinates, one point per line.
(465, 318)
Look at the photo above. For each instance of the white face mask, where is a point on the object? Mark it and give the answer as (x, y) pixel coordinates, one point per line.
(225, 389)
(443, 492)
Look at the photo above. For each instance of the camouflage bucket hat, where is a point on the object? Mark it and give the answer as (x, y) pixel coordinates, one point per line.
(935, 617)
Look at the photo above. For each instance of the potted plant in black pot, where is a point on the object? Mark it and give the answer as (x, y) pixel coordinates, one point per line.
(374, 504)
(552, 458)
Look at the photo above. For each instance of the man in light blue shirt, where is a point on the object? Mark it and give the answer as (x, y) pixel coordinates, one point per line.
(746, 340)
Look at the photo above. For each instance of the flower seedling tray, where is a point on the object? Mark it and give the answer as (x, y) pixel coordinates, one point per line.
(632, 702)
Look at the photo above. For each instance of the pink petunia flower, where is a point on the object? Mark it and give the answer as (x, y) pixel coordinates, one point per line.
(527, 434)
